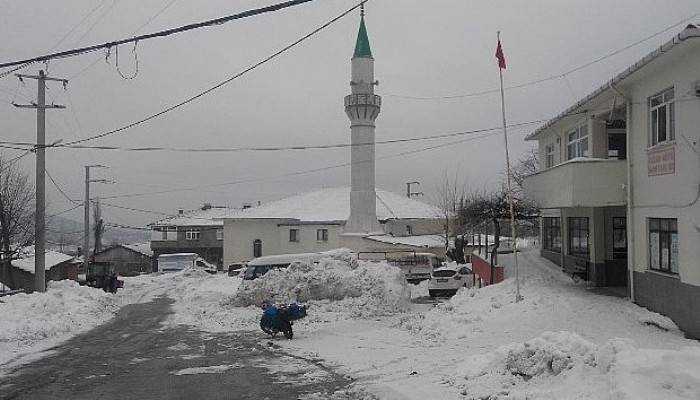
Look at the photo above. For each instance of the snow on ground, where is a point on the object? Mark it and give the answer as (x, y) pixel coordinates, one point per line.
(33, 323)
(561, 342)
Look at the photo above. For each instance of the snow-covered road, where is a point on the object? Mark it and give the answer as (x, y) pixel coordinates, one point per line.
(562, 341)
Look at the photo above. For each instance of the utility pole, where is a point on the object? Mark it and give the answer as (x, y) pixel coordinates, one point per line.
(409, 193)
(86, 230)
(40, 148)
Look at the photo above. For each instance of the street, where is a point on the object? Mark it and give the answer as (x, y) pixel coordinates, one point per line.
(133, 357)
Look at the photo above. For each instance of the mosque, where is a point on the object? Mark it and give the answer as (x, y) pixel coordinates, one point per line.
(358, 217)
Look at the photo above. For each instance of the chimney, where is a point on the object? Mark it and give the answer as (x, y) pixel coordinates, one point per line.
(180, 211)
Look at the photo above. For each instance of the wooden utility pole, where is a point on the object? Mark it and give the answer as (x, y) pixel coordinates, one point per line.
(40, 148)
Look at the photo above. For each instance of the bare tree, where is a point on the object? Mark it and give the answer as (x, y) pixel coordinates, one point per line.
(16, 213)
(451, 199)
(527, 165)
(493, 207)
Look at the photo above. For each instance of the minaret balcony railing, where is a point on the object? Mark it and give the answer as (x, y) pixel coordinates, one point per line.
(363, 99)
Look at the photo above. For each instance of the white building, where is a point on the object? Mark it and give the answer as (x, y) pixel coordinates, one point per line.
(619, 183)
(359, 217)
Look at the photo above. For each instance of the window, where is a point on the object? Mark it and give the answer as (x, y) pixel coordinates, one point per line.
(192, 234)
(551, 234)
(549, 156)
(578, 143)
(662, 117)
(257, 248)
(294, 235)
(578, 236)
(663, 245)
(322, 235)
(409, 230)
(219, 234)
(619, 225)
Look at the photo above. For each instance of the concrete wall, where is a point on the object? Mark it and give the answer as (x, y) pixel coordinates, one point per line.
(671, 297)
(397, 227)
(274, 233)
(672, 195)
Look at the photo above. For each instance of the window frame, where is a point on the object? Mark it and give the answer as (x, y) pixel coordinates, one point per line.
(666, 230)
(575, 224)
(619, 252)
(322, 235)
(192, 234)
(294, 235)
(551, 230)
(576, 142)
(409, 230)
(549, 152)
(257, 248)
(666, 102)
(219, 234)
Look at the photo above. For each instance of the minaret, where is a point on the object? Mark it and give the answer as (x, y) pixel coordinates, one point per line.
(362, 107)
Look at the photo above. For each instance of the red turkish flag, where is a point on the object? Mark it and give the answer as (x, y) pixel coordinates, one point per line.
(499, 55)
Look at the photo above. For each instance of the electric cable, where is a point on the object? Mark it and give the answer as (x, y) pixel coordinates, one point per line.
(224, 82)
(159, 34)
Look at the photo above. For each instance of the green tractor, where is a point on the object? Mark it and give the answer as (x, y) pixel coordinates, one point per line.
(102, 275)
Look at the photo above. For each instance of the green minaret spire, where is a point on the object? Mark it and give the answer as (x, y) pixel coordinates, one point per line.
(362, 48)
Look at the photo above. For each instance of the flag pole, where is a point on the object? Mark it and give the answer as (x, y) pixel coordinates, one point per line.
(501, 65)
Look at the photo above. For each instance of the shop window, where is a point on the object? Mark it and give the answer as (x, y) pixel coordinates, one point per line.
(578, 237)
(663, 245)
(551, 234)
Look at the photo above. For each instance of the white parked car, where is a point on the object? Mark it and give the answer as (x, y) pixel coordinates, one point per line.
(447, 280)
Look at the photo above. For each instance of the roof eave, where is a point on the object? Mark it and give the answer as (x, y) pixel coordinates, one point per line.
(685, 34)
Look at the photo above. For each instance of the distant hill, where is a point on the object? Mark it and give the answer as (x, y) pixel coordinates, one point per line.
(66, 235)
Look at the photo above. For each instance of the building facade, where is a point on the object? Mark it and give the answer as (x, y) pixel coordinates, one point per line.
(619, 183)
(198, 231)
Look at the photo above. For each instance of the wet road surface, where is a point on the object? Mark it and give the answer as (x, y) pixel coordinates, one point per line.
(134, 357)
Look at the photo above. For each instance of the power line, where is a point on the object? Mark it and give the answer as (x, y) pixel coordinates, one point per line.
(552, 77)
(286, 148)
(59, 188)
(63, 212)
(226, 81)
(159, 34)
(298, 173)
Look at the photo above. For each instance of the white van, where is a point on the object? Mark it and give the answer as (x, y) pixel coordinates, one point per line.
(415, 266)
(181, 261)
(258, 267)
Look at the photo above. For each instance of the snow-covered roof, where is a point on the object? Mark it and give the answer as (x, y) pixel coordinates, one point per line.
(142, 248)
(427, 241)
(25, 261)
(690, 32)
(209, 217)
(333, 205)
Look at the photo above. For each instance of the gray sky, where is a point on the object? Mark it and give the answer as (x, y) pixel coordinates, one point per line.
(422, 49)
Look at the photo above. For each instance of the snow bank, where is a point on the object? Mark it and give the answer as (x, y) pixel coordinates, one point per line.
(337, 283)
(45, 319)
(563, 365)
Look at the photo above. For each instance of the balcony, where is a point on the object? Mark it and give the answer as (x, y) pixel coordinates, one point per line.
(581, 182)
(163, 236)
(363, 99)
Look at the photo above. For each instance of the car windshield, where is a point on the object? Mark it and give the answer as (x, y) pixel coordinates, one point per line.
(444, 273)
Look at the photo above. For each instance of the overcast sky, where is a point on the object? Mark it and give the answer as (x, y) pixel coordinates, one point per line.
(421, 48)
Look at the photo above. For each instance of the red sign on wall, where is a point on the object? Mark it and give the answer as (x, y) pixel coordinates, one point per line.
(661, 161)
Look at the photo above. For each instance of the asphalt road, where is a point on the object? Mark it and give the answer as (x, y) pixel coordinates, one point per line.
(133, 357)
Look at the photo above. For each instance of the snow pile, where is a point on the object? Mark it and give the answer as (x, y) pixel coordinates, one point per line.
(563, 365)
(203, 300)
(64, 310)
(337, 283)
